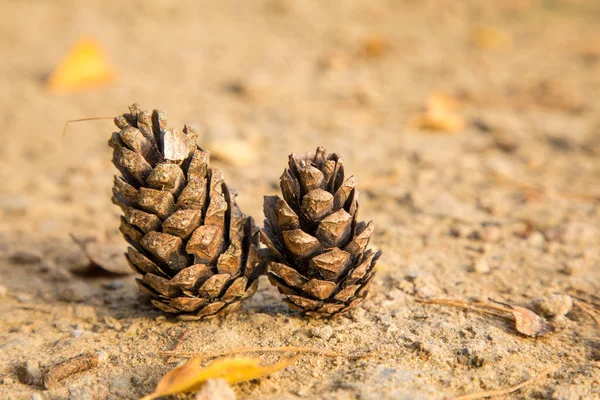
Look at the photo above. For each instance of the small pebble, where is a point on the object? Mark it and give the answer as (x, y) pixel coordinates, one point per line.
(536, 239)
(77, 333)
(23, 297)
(215, 389)
(572, 267)
(31, 373)
(26, 257)
(114, 285)
(553, 305)
(481, 266)
(491, 233)
(85, 312)
(74, 293)
(102, 357)
(37, 396)
(323, 332)
(80, 393)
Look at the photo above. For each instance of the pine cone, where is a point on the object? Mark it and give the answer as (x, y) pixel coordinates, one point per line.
(195, 249)
(318, 256)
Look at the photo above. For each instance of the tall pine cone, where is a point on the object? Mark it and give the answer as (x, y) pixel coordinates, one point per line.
(318, 250)
(195, 249)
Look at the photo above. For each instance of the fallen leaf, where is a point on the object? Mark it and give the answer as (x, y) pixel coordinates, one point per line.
(190, 377)
(440, 115)
(374, 46)
(104, 256)
(438, 121)
(441, 102)
(84, 66)
(490, 38)
(528, 322)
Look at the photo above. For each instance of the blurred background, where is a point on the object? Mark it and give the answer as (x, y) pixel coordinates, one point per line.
(262, 79)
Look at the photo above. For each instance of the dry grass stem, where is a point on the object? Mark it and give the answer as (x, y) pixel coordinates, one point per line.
(282, 349)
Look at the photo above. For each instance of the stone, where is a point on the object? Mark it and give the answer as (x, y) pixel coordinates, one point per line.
(481, 266)
(114, 285)
(322, 332)
(80, 393)
(215, 389)
(536, 239)
(23, 297)
(102, 357)
(553, 305)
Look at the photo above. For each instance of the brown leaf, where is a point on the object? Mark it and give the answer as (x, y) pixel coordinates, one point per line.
(527, 322)
(104, 256)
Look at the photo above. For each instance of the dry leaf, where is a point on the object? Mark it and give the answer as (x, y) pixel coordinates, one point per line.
(440, 115)
(528, 322)
(440, 102)
(439, 121)
(490, 38)
(374, 46)
(83, 67)
(190, 377)
(104, 257)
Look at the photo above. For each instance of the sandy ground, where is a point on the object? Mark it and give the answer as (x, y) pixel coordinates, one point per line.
(508, 208)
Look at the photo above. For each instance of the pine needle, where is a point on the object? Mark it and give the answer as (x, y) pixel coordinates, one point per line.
(283, 349)
(64, 131)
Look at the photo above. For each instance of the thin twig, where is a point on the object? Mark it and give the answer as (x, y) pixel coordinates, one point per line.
(294, 349)
(588, 310)
(502, 392)
(178, 344)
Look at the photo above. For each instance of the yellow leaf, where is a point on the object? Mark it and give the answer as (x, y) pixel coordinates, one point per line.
(439, 121)
(190, 377)
(83, 67)
(440, 115)
(490, 38)
(441, 102)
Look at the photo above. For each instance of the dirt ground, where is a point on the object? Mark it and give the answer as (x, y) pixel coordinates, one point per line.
(507, 208)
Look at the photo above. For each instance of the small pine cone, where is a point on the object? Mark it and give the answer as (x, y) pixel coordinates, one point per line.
(317, 250)
(196, 251)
